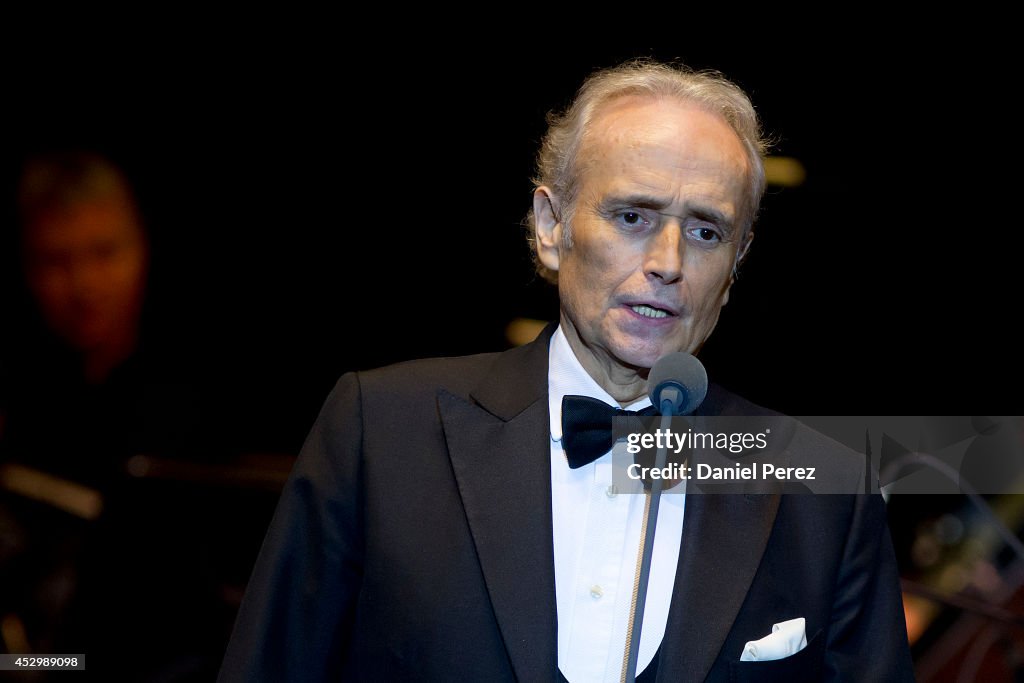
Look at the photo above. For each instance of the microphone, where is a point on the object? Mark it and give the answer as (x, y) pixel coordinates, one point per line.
(679, 378)
(677, 385)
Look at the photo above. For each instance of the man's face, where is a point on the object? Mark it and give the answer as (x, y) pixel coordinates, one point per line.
(655, 231)
(86, 266)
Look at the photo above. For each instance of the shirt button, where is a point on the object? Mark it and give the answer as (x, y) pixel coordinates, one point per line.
(596, 592)
(611, 491)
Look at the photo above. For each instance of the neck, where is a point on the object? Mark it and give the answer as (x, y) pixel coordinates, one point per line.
(625, 384)
(99, 362)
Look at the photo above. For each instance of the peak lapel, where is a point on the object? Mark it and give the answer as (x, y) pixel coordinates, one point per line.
(499, 447)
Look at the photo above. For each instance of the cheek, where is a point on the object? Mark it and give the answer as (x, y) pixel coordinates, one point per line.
(605, 262)
(710, 286)
(52, 287)
(119, 276)
(128, 271)
(595, 277)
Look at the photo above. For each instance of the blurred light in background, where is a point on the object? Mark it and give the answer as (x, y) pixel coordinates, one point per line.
(784, 171)
(523, 330)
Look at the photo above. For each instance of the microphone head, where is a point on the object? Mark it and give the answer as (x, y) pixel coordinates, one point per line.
(681, 378)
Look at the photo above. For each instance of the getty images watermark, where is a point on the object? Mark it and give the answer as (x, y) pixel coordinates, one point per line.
(826, 455)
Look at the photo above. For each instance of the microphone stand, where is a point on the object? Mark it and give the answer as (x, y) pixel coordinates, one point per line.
(668, 409)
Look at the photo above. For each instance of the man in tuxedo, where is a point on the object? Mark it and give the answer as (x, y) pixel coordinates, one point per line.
(437, 527)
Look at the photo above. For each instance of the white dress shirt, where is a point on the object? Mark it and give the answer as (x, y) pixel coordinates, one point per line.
(597, 536)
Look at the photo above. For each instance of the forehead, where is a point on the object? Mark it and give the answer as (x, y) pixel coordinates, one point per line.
(664, 146)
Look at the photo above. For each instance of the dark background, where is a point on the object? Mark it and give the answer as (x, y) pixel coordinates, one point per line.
(316, 208)
(320, 200)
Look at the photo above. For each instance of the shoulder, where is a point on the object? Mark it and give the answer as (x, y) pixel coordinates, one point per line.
(721, 401)
(423, 378)
(834, 450)
(411, 388)
(503, 382)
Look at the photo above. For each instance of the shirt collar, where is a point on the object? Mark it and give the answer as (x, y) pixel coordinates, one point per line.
(567, 376)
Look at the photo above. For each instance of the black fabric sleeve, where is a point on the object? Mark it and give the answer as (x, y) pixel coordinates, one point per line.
(867, 635)
(296, 618)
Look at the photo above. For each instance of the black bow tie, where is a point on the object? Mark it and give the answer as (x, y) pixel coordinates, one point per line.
(587, 428)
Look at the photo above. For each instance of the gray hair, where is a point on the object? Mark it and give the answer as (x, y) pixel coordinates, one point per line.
(557, 160)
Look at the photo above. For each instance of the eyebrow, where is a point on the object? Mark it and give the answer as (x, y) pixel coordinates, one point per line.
(659, 204)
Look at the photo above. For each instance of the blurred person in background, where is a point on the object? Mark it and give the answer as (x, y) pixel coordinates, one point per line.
(75, 408)
(86, 256)
(94, 560)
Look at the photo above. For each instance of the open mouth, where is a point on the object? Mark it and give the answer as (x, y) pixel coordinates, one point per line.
(649, 311)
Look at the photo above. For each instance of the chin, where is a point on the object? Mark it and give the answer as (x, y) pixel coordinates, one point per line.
(644, 356)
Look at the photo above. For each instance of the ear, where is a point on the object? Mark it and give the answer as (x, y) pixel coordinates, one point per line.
(547, 227)
(741, 254)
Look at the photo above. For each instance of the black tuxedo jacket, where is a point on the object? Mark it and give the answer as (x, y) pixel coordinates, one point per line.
(413, 543)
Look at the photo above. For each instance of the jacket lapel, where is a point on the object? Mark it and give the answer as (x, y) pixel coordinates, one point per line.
(499, 448)
(724, 537)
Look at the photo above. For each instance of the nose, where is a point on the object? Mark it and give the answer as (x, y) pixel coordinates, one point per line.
(663, 258)
(89, 278)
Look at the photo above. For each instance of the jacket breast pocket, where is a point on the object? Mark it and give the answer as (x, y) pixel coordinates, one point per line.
(805, 665)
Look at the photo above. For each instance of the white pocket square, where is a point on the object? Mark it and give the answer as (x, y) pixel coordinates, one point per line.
(787, 638)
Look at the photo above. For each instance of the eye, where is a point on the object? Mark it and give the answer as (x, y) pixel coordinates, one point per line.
(632, 220)
(705, 233)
